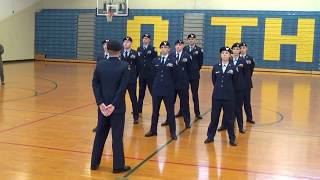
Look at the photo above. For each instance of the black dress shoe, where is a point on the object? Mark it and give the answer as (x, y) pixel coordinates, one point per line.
(94, 167)
(251, 121)
(124, 169)
(174, 137)
(198, 117)
(222, 128)
(178, 115)
(165, 123)
(136, 121)
(208, 140)
(2, 83)
(188, 126)
(242, 131)
(233, 143)
(149, 134)
(94, 129)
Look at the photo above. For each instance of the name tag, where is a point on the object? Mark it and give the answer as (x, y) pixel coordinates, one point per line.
(169, 65)
(230, 71)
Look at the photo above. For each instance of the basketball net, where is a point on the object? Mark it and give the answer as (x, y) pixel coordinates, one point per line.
(109, 16)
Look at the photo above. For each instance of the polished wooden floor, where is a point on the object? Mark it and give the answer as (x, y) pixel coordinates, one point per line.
(48, 111)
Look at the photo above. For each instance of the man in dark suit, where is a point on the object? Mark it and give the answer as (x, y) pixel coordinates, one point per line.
(223, 96)
(146, 54)
(131, 57)
(1, 65)
(163, 89)
(248, 80)
(182, 71)
(109, 84)
(196, 63)
(240, 64)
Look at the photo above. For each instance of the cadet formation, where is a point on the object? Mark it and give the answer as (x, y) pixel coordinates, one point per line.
(167, 74)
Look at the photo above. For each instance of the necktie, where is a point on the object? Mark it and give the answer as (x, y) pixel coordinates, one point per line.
(224, 68)
(177, 56)
(162, 60)
(126, 54)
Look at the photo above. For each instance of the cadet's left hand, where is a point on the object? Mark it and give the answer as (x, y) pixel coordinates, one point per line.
(248, 61)
(240, 65)
(110, 108)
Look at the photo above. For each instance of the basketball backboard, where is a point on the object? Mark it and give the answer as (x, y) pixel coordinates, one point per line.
(117, 7)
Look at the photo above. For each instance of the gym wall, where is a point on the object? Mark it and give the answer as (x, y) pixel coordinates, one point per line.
(277, 39)
(17, 27)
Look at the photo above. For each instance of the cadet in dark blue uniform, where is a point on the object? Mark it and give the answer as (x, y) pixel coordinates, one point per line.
(131, 56)
(240, 64)
(146, 54)
(163, 89)
(105, 54)
(223, 96)
(109, 84)
(182, 71)
(194, 76)
(248, 80)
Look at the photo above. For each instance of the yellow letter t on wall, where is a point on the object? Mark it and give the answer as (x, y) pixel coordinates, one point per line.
(233, 26)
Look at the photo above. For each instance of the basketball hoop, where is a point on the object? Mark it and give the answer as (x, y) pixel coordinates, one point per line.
(109, 16)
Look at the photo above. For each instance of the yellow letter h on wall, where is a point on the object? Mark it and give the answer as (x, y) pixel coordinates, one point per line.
(304, 40)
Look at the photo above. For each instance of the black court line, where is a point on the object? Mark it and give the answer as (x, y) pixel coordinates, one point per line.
(36, 93)
(160, 148)
(50, 90)
(272, 123)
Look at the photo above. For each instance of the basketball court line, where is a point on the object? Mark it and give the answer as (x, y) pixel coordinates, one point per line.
(36, 93)
(248, 130)
(166, 162)
(44, 118)
(160, 148)
(168, 142)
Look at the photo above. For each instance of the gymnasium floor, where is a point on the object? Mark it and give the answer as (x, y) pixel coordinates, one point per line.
(48, 112)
